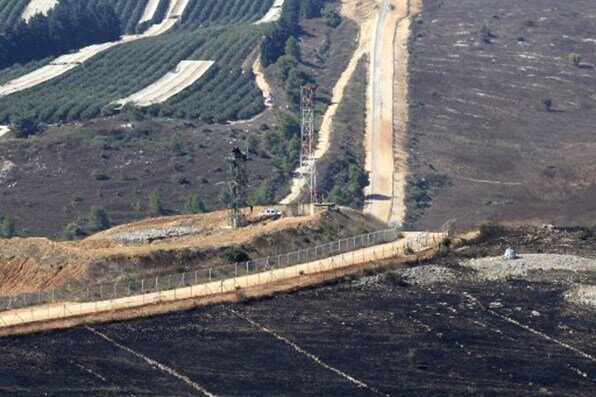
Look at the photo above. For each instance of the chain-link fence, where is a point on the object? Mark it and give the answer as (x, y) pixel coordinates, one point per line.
(93, 293)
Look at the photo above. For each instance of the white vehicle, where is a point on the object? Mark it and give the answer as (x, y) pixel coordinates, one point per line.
(270, 212)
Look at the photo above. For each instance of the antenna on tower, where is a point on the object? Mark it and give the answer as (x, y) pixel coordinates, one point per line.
(237, 184)
(308, 161)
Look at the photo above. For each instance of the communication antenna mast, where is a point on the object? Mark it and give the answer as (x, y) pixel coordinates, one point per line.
(237, 183)
(308, 161)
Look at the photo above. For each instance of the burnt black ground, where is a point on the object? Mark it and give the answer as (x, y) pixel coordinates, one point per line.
(399, 340)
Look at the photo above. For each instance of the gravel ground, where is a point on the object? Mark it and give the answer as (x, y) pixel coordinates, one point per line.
(155, 234)
(584, 295)
(498, 268)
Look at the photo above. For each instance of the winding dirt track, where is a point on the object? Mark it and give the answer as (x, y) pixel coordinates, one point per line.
(257, 69)
(38, 7)
(65, 63)
(186, 73)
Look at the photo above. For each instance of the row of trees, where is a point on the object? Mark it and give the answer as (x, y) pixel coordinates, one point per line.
(72, 24)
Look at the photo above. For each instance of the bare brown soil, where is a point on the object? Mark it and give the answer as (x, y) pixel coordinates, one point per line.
(33, 264)
(482, 145)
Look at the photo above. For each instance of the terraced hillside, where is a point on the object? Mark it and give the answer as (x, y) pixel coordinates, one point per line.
(483, 143)
(226, 92)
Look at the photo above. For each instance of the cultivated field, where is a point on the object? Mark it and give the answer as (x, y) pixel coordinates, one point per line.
(483, 146)
(186, 73)
(410, 333)
(217, 32)
(63, 64)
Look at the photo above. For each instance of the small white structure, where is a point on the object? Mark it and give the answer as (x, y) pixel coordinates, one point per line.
(510, 254)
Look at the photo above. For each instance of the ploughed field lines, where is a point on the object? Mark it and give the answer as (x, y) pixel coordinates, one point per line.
(394, 340)
(186, 73)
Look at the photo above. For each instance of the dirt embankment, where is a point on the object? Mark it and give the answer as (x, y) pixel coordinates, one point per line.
(165, 245)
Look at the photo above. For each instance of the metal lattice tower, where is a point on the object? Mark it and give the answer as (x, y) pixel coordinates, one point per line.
(308, 161)
(237, 184)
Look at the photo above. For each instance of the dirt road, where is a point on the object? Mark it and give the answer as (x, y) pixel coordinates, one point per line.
(387, 111)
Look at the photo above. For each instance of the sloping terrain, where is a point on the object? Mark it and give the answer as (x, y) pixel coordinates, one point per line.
(63, 64)
(185, 74)
(483, 145)
(124, 69)
(401, 333)
(162, 245)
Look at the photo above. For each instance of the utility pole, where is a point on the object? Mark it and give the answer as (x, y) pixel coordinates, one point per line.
(308, 161)
(237, 184)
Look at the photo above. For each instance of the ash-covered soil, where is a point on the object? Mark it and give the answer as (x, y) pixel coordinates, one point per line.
(482, 145)
(368, 335)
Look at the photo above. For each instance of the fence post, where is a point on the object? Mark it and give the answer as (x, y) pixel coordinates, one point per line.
(209, 274)
(143, 289)
(235, 269)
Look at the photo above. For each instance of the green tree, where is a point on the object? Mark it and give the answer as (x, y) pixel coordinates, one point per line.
(575, 59)
(23, 126)
(284, 65)
(175, 145)
(72, 231)
(195, 205)
(331, 16)
(98, 218)
(99, 175)
(252, 144)
(155, 205)
(262, 195)
(547, 103)
(7, 230)
(292, 48)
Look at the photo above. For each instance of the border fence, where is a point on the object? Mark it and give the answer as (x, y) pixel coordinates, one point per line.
(101, 292)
